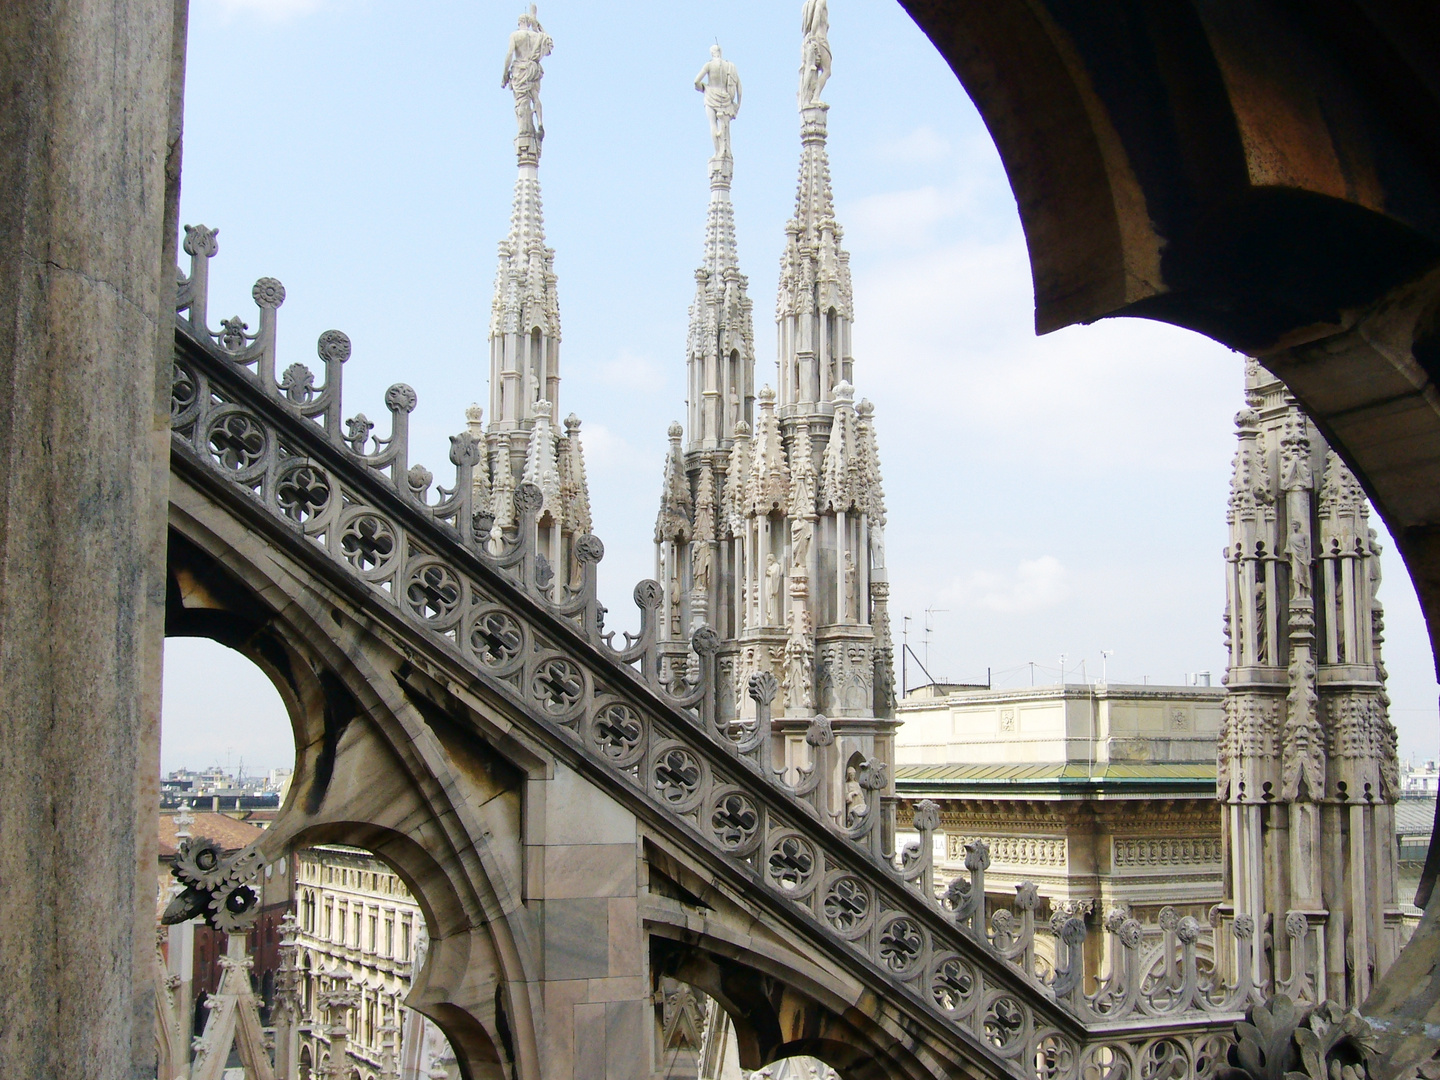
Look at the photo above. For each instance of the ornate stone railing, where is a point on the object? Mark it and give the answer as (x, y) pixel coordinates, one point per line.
(438, 561)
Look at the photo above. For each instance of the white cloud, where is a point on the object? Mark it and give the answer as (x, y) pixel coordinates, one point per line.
(920, 146)
(1035, 584)
(631, 371)
(607, 453)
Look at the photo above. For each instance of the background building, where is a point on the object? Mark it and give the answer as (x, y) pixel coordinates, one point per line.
(1102, 795)
(356, 916)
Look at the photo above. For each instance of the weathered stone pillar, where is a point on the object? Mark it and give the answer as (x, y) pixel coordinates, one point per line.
(86, 296)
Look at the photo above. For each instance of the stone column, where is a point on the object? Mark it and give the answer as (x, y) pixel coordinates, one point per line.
(89, 164)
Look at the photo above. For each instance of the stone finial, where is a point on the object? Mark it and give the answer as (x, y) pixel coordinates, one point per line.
(183, 820)
(675, 431)
(474, 414)
(843, 392)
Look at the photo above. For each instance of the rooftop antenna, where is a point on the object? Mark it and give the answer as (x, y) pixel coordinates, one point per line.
(1105, 654)
(1063, 658)
(930, 612)
(904, 650)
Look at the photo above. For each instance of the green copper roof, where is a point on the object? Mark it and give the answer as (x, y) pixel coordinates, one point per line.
(1055, 774)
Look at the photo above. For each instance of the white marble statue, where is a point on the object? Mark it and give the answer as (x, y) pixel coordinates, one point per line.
(700, 568)
(1298, 549)
(852, 589)
(773, 577)
(529, 44)
(814, 52)
(800, 544)
(721, 85)
(856, 805)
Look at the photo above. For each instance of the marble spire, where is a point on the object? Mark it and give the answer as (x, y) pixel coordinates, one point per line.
(525, 313)
(720, 360)
(522, 441)
(771, 526)
(814, 307)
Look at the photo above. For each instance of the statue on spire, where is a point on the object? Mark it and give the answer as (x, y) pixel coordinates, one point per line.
(814, 52)
(721, 84)
(529, 44)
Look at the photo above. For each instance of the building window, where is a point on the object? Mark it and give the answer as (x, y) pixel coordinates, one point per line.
(389, 935)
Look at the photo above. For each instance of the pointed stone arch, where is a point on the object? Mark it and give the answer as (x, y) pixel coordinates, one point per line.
(381, 766)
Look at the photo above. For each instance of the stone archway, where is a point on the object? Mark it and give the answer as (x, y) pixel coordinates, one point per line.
(362, 779)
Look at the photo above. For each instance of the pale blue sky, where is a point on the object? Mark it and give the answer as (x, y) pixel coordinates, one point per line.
(1055, 495)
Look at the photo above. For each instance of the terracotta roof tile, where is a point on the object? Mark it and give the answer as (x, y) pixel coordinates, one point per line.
(226, 831)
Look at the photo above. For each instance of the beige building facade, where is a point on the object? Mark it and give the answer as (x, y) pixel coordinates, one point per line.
(355, 916)
(1102, 795)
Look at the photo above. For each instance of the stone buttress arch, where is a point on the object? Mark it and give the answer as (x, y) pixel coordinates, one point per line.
(372, 771)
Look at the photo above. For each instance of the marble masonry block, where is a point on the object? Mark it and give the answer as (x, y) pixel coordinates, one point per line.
(576, 870)
(590, 1048)
(577, 939)
(615, 989)
(627, 938)
(627, 1054)
(577, 812)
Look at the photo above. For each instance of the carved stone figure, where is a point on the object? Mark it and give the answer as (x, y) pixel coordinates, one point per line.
(852, 589)
(529, 44)
(1373, 564)
(773, 576)
(814, 52)
(720, 83)
(1297, 547)
(855, 805)
(799, 654)
(800, 544)
(700, 564)
(877, 545)
(1295, 474)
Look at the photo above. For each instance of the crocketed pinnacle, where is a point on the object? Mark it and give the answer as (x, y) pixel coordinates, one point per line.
(815, 268)
(525, 295)
(721, 340)
(721, 251)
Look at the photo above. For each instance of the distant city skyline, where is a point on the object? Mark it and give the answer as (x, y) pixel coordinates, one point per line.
(1056, 495)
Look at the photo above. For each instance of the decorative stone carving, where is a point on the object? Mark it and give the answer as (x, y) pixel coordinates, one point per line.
(814, 52)
(529, 44)
(720, 83)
